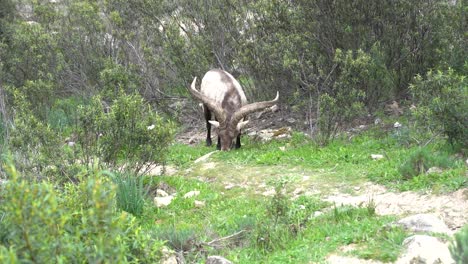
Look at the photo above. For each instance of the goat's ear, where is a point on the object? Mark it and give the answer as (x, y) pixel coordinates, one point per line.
(242, 124)
(214, 123)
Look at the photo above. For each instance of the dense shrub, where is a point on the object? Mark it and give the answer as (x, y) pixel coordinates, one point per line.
(127, 136)
(442, 98)
(80, 223)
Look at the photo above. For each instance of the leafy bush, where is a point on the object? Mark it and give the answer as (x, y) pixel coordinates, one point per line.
(443, 100)
(357, 84)
(35, 147)
(77, 224)
(422, 159)
(459, 246)
(130, 131)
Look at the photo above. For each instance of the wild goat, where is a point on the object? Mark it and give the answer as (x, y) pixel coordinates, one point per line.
(222, 94)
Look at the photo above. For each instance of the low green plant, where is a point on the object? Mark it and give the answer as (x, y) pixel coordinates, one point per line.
(459, 246)
(130, 194)
(180, 239)
(285, 219)
(421, 160)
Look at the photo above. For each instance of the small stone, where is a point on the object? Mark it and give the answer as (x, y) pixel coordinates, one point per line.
(191, 194)
(168, 257)
(161, 193)
(435, 170)
(291, 120)
(217, 260)
(377, 156)
(229, 186)
(298, 191)
(397, 125)
(377, 121)
(269, 192)
(192, 140)
(162, 201)
(199, 204)
(317, 213)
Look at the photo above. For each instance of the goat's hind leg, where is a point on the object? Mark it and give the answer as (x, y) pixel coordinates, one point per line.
(208, 125)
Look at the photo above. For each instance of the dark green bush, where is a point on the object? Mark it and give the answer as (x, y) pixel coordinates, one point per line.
(442, 98)
(80, 223)
(358, 80)
(128, 136)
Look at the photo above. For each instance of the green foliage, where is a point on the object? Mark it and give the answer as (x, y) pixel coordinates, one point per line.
(443, 100)
(130, 194)
(35, 145)
(285, 219)
(78, 223)
(420, 160)
(459, 246)
(178, 238)
(129, 132)
(181, 155)
(116, 78)
(360, 82)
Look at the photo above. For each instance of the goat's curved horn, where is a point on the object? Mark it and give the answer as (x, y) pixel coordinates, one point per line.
(210, 103)
(253, 107)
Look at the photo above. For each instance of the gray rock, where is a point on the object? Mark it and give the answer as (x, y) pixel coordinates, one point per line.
(191, 194)
(217, 260)
(161, 193)
(168, 256)
(434, 170)
(422, 249)
(424, 223)
(163, 201)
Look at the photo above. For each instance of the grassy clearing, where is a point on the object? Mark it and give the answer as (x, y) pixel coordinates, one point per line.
(279, 229)
(346, 160)
(268, 229)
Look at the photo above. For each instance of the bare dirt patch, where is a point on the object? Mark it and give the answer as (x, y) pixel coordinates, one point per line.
(452, 208)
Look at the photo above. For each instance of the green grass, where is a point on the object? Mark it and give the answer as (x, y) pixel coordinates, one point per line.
(279, 229)
(343, 160)
(293, 237)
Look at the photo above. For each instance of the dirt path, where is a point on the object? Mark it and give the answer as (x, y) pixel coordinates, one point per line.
(452, 208)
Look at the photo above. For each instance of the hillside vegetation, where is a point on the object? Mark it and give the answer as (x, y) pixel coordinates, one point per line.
(94, 101)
